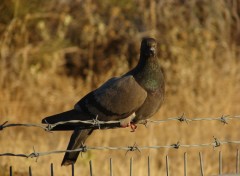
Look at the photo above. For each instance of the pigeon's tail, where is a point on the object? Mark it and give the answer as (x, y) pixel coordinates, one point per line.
(63, 120)
(66, 116)
(77, 139)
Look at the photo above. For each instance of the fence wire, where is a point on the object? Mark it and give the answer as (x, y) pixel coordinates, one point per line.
(97, 124)
(215, 143)
(168, 163)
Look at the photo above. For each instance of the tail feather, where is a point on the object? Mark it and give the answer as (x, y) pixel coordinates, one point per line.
(67, 116)
(77, 139)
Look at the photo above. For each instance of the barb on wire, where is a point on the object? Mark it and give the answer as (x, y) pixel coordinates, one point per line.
(83, 148)
(2, 126)
(182, 118)
(223, 119)
(217, 142)
(34, 154)
(133, 148)
(97, 124)
(176, 146)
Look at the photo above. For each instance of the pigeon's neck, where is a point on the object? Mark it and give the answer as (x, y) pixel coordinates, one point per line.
(147, 63)
(148, 73)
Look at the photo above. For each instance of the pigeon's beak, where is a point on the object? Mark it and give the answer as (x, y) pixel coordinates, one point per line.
(152, 51)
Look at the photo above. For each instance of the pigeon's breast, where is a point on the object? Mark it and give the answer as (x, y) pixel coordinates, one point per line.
(151, 105)
(154, 84)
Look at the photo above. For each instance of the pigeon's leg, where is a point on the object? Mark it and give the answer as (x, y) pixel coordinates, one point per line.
(133, 126)
(127, 122)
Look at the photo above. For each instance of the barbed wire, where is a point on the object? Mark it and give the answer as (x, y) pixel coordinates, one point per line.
(97, 124)
(135, 147)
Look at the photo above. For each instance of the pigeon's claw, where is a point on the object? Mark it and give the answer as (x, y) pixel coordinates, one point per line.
(133, 126)
(127, 121)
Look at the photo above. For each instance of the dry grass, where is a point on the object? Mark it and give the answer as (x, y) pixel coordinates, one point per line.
(54, 53)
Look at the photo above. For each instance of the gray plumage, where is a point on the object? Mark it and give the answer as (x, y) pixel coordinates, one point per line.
(135, 96)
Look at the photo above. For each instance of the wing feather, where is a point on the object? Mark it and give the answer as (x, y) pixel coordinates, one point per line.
(116, 99)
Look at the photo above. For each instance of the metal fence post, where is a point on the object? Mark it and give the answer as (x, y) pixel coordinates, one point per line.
(167, 166)
(111, 170)
(52, 169)
(10, 170)
(90, 165)
(131, 166)
(72, 169)
(185, 164)
(30, 171)
(237, 162)
(149, 172)
(220, 163)
(201, 164)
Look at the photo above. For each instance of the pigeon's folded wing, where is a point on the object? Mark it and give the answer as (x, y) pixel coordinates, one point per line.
(116, 99)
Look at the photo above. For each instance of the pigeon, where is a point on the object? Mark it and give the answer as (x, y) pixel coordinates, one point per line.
(130, 99)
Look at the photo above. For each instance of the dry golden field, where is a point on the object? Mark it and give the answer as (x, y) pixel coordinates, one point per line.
(54, 52)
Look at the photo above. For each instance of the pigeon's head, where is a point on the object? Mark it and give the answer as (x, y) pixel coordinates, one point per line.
(149, 47)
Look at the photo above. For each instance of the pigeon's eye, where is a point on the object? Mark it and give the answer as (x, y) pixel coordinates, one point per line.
(150, 45)
(154, 45)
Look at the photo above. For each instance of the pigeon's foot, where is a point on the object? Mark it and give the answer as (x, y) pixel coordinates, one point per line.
(127, 121)
(133, 126)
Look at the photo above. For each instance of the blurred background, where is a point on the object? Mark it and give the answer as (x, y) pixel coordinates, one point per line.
(54, 52)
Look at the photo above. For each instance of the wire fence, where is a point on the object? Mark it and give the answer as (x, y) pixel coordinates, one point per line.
(96, 124)
(148, 170)
(215, 143)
